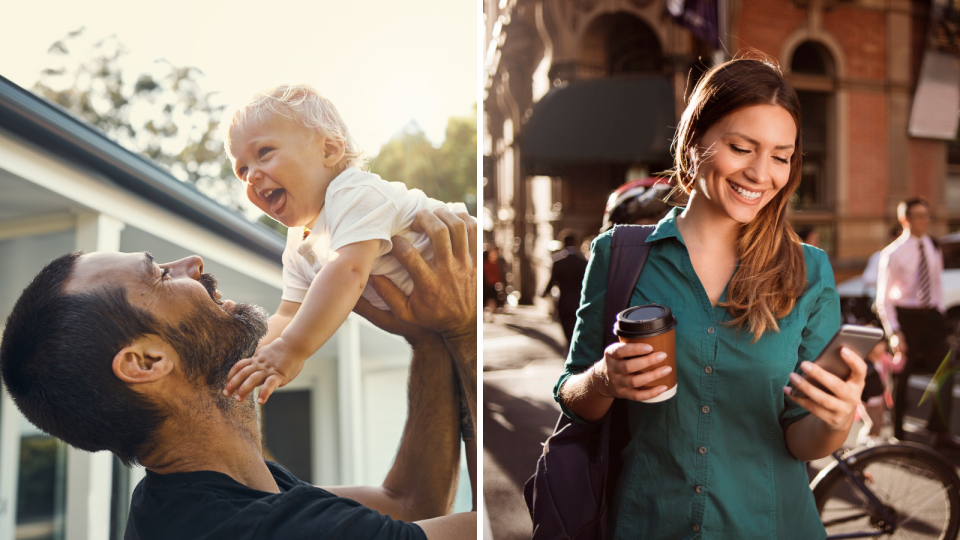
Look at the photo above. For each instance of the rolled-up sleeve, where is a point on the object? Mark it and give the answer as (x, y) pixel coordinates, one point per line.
(822, 323)
(587, 345)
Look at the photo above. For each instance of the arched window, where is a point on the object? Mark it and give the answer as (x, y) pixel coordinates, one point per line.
(812, 70)
(619, 43)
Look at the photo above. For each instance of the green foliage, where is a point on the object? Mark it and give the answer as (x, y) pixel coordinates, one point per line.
(448, 173)
(164, 115)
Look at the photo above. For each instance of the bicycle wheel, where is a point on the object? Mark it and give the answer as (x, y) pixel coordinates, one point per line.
(918, 488)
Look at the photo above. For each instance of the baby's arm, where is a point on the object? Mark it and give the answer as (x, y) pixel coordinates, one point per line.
(330, 298)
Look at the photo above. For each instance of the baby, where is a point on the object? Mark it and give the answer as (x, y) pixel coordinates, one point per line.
(302, 168)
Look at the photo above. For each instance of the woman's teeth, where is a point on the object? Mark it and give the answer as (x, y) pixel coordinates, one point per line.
(744, 193)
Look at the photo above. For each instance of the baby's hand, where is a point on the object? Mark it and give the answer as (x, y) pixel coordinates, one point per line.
(272, 366)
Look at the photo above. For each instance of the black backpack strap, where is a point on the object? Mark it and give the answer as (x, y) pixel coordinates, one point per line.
(628, 252)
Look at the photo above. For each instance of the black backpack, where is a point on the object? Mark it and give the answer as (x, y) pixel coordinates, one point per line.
(569, 494)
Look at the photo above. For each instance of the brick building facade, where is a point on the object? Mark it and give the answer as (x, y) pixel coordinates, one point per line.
(854, 63)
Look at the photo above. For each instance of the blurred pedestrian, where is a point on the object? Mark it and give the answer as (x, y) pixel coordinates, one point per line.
(872, 272)
(911, 307)
(569, 266)
(637, 202)
(876, 391)
(492, 282)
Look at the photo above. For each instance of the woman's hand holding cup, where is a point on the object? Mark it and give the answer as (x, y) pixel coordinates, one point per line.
(619, 375)
(836, 411)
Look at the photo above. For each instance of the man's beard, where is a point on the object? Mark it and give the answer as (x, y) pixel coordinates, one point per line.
(210, 340)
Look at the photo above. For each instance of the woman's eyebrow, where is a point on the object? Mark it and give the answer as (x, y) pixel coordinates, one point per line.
(757, 143)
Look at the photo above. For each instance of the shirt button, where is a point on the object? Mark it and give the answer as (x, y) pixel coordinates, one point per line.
(705, 409)
(699, 489)
(710, 330)
(708, 370)
(311, 259)
(696, 528)
(702, 450)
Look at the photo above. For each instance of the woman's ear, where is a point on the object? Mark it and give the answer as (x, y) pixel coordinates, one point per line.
(333, 151)
(148, 359)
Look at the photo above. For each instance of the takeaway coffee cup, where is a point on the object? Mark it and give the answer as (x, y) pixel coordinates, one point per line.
(654, 325)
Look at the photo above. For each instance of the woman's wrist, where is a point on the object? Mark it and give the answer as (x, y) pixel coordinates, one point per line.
(603, 382)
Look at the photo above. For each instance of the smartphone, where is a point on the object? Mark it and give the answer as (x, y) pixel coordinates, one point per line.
(859, 339)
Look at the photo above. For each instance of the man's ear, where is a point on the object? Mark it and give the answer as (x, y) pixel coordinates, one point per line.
(333, 151)
(148, 359)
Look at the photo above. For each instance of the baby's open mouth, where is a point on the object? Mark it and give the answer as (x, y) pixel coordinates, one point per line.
(275, 198)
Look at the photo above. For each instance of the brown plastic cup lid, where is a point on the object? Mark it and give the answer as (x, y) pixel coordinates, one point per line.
(644, 321)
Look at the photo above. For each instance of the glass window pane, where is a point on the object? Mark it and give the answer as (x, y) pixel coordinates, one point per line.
(41, 485)
(286, 432)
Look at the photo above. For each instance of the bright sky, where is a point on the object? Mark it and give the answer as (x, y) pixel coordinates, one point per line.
(383, 63)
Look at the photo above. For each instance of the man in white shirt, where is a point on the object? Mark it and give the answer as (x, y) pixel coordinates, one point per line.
(911, 307)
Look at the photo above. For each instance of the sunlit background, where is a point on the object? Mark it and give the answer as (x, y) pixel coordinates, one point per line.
(156, 79)
(397, 71)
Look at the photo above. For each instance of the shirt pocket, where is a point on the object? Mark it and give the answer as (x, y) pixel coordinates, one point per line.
(774, 347)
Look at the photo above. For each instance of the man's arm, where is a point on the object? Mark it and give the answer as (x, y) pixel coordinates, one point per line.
(886, 311)
(444, 298)
(422, 481)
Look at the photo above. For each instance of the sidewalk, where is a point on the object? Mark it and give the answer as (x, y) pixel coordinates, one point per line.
(523, 352)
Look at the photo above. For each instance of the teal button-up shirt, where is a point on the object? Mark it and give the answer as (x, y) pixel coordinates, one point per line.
(711, 462)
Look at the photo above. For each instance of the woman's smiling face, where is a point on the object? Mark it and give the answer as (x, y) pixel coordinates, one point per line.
(744, 159)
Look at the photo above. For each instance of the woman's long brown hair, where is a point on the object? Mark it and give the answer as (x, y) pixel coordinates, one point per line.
(772, 272)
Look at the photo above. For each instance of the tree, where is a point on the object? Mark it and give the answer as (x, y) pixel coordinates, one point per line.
(448, 173)
(164, 114)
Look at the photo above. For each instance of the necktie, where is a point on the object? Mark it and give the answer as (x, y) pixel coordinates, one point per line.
(923, 279)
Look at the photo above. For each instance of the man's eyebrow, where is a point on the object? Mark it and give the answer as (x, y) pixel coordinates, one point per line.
(148, 262)
(757, 143)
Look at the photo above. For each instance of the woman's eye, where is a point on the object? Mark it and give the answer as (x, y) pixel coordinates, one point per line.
(738, 150)
(785, 161)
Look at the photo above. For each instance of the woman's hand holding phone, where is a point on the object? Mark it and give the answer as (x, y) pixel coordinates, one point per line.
(836, 411)
(618, 373)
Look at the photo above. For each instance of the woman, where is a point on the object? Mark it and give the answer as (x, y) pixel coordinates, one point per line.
(724, 457)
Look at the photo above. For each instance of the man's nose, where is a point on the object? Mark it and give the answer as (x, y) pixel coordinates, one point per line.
(191, 267)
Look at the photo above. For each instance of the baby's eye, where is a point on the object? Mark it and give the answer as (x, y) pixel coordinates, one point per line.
(263, 151)
(240, 172)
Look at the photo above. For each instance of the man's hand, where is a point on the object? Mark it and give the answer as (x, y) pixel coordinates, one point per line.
(444, 296)
(388, 322)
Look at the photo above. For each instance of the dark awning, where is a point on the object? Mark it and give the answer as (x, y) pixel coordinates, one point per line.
(612, 120)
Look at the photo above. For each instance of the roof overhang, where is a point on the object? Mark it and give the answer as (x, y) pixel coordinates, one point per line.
(55, 130)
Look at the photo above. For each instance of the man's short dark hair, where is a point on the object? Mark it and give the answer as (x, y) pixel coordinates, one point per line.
(56, 360)
(903, 209)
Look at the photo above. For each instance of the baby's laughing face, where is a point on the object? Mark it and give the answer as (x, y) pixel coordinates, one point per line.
(286, 168)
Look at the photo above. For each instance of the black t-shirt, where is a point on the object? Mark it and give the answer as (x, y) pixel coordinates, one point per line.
(207, 505)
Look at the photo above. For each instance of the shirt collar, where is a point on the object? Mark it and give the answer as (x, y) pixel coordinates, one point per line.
(667, 227)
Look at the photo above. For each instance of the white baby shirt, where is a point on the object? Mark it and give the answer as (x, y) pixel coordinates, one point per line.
(359, 206)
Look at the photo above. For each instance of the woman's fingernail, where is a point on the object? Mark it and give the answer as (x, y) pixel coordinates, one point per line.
(661, 389)
(666, 370)
(806, 366)
(795, 378)
(661, 356)
(646, 349)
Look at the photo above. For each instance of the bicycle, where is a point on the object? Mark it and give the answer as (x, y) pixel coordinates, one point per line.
(899, 490)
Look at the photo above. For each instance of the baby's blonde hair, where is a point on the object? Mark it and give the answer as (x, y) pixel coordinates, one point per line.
(305, 106)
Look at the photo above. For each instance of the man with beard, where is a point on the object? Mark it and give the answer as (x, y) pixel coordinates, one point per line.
(112, 351)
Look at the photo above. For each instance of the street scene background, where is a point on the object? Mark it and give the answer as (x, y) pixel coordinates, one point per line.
(582, 97)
